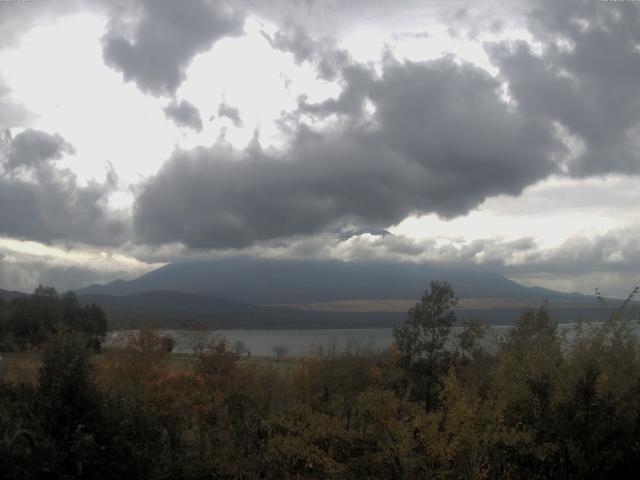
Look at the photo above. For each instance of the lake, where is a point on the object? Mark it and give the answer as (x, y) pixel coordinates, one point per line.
(261, 342)
(299, 342)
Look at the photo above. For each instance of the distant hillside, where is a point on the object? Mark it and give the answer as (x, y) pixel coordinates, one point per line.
(273, 282)
(244, 292)
(166, 309)
(8, 295)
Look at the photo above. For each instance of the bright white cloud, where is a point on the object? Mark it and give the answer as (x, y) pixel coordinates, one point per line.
(74, 94)
(25, 264)
(551, 212)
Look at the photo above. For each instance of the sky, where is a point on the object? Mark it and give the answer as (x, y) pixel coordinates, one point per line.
(493, 136)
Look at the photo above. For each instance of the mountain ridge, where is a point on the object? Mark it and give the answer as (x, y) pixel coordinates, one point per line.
(277, 282)
(8, 295)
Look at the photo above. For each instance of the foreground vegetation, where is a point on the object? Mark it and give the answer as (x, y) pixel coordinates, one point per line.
(535, 406)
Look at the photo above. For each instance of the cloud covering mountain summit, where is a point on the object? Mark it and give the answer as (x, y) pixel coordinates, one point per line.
(441, 140)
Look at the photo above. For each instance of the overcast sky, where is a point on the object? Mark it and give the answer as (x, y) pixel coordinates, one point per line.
(135, 133)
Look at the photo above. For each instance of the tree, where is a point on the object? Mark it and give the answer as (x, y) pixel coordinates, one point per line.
(31, 321)
(240, 347)
(421, 340)
(168, 342)
(217, 361)
(34, 319)
(69, 406)
(195, 335)
(93, 324)
(66, 392)
(470, 339)
(280, 351)
(88, 319)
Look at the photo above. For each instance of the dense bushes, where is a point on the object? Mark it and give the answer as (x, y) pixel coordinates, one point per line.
(536, 405)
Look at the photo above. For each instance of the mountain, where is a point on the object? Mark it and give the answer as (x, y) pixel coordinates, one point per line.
(277, 282)
(245, 292)
(8, 295)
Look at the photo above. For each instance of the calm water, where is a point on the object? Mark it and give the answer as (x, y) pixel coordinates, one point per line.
(296, 342)
(300, 342)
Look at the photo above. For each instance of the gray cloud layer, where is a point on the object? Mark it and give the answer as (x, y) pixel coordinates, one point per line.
(231, 113)
(155, 51)
(23, 271)
(610, 261)
(441, 141)
(441, 138)
(184, 114)
(39, 201)
(32, 148)
(327, 58)
(586, 79)
(16, 18)
(11, 114)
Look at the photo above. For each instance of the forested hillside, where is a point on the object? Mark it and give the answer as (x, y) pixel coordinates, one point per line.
(28, 321)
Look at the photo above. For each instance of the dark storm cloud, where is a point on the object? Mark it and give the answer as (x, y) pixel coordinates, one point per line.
(33, 147)
(231, 113)
(166, 35)
(358, 85)
(39, 201)
(586, 78)
(441, 140)
(184, 114)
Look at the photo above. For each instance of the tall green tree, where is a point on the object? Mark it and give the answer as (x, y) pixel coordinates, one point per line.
(422, 338)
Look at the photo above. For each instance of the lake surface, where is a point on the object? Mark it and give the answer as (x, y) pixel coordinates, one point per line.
(262, 342)
(301, 342)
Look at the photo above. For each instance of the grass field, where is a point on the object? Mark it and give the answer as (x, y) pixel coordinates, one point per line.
(19, 367)
(22, 367)
(182, 361)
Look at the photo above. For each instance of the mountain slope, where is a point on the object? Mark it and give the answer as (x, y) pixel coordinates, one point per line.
(262, 281)
(8, 295)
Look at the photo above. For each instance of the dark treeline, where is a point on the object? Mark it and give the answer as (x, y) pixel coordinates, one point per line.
(536, 406)
(29, 321)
